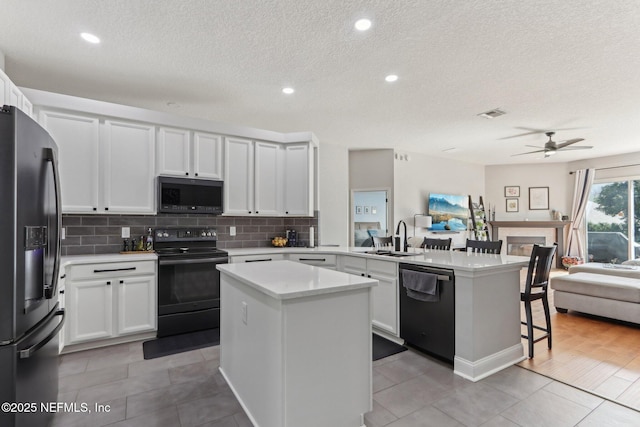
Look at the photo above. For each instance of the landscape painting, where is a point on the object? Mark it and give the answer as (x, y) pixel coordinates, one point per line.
(448, 212)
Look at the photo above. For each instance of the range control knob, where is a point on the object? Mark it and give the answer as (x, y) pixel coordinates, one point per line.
(203, 234)
(165, 234)
(208, 234)
(159, 234)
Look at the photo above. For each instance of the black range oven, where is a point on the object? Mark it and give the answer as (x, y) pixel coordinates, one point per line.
(188, 281)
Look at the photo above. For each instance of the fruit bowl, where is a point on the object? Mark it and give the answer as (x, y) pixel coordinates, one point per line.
(279, 242)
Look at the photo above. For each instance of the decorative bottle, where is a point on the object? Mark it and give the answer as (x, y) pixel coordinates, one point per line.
(148, 246)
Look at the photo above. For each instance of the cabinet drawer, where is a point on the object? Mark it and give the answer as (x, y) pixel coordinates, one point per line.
(314, 259)
(384, 268)
(352, 263)
(111, 269)
(257, 258)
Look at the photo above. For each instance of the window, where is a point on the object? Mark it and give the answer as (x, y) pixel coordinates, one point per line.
(613, 221)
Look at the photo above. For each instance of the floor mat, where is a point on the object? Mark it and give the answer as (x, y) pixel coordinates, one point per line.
(166, 346)
(382, 347)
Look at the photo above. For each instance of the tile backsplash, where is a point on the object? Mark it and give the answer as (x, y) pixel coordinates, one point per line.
(100, 234)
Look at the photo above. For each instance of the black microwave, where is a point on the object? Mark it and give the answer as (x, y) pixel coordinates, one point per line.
(189, 195)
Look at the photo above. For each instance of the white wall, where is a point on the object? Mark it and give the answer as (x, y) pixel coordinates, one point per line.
(421, 174)
(620, 166)
(2, 61)
(553, 175)
(333, 198)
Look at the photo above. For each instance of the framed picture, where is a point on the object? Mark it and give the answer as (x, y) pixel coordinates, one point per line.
(512, 205)
(512, 191)
(358, 210)
(367, 210)
(538, 198)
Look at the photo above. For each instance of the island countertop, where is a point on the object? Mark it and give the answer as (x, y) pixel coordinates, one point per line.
(458, 260)
(288, 279)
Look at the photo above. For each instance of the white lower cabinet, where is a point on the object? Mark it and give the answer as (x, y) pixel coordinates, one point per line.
(318, 260)
(109, 300)
(385, 295)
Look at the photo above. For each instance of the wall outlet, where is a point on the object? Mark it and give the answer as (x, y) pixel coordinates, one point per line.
(63, 233)
(232, 230)
(126, 232)
(244, 312)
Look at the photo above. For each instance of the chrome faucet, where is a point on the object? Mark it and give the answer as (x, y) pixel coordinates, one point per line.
(405, 241)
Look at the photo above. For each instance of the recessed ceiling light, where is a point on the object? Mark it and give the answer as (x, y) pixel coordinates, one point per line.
(90, 38)
(363, 24)
(288, 90)
(391, 78)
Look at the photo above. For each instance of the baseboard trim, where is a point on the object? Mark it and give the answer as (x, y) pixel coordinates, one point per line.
(482, 368)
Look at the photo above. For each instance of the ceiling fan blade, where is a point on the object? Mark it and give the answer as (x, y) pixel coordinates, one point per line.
(530, 152)
(531, 131)
(534, 146)
(568, 142)
(581, 147)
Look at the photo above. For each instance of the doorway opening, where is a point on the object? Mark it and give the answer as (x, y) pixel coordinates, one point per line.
(369, 216)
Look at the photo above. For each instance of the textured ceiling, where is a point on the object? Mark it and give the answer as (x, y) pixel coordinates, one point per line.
(550, 64)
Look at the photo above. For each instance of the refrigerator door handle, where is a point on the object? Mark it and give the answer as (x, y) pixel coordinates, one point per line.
(50, 155)
(29, 351)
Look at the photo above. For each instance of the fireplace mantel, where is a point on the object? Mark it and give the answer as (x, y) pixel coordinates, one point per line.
(558, 225)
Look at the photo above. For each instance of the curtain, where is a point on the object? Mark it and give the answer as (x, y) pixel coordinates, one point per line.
(581, 190)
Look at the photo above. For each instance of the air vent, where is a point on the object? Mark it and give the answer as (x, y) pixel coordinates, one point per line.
(492, 114)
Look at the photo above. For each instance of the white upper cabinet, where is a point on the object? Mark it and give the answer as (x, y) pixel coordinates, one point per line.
(238, 176)
(298, 179)
(207, 155)
(78, 141)
(268, 179)
(129, 174)
(10, 94)
(185, 153)
(174, 151)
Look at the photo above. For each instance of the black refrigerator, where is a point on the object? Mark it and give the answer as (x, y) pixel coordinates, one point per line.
(30, 318)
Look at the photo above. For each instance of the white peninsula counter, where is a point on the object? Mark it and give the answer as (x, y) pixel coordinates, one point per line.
(295, 343)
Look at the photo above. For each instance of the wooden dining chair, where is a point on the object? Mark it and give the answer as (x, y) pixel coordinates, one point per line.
(440, 244)
(379, 242)
(536, 289)
(484, 246)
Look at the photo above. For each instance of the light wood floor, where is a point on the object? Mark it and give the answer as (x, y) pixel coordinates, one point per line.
(595, 354)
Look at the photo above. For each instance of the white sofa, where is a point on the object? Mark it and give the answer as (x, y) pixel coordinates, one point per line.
(600, 289)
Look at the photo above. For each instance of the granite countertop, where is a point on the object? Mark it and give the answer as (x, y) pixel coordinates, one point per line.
(284, 280)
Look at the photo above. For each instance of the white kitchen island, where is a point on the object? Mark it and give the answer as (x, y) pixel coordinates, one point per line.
(295, 343)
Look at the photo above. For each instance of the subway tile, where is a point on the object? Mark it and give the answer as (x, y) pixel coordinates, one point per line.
(210, 221)
(68, 220)
(94, 240)
(107, 249)
(80, 250)
(95, 220)
(131, 220)
(80, 231)
(192, 222)
(71, 241)
(107, 231)
(162, 221)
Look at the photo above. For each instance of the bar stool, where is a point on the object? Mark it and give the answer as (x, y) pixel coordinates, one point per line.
(536, 289)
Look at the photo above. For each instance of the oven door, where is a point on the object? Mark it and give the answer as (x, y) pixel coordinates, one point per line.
(188, 284)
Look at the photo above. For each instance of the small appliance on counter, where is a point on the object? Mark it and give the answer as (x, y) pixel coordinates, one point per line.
(292, 238)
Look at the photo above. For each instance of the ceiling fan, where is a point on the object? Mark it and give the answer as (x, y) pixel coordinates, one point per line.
(551, 147)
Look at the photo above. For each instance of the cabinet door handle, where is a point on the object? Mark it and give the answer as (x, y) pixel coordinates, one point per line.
(257, 212)
(106, 270)
(196, 174)
(287, 212)
(369, 276)
(121, 281)
(95, 209)
(362, 274)
(258, 260)
(108, 283)
(249, 211)
(187, 173)
(313, 259)
(106, 209)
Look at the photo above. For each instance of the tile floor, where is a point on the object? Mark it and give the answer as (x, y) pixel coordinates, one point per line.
(410, 390)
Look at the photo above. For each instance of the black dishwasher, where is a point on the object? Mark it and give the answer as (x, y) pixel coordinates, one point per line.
(429, 326)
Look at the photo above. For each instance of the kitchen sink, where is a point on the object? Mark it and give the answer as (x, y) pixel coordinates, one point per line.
(391, 253)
